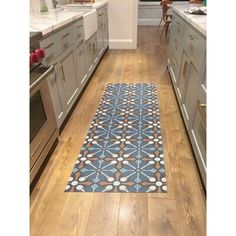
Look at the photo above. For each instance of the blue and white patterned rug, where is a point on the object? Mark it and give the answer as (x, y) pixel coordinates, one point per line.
(123, 149)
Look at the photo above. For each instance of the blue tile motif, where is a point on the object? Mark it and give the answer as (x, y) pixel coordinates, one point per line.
(123, 149)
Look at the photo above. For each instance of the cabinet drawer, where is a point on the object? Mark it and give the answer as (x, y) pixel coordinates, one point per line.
(66, 38)
(78, 30)
(50, 45)
(195, 47)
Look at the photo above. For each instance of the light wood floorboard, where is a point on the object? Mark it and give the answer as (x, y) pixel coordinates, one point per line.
(181, 211)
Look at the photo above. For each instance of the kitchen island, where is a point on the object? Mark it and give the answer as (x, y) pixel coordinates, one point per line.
(187, 68)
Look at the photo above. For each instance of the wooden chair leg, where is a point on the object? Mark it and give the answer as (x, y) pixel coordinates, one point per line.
(164, 26)
(167, 27)
(159, 24)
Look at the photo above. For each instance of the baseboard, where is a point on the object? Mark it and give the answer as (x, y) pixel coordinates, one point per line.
(148, 21)
(122, 44)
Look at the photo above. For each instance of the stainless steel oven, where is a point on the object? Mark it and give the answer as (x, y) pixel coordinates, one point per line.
(43, 127)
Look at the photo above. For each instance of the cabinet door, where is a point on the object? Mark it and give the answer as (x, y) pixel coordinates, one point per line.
(56, 99)
(183, 76)
(95, 48)
(68, 86)
(105, 30)
(190, 96)
(81, 65)
(198, 135)
(100, 39)
(91, 53)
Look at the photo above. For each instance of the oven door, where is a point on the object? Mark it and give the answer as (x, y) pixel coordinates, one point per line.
(42, 118)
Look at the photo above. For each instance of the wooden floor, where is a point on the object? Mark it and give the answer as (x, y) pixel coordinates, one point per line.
(181, 211)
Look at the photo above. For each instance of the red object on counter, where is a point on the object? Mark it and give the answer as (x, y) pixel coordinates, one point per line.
(40, 52)
(35, 57)
(31, 60)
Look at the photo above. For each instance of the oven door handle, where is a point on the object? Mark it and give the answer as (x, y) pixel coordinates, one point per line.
(43, 76)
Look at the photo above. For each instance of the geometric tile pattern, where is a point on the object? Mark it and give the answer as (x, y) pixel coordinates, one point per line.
(123, 149)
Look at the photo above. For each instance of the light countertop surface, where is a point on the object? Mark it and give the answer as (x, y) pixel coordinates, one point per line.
(197, 21)
(53, 19)
(47, 22)
(96, 5)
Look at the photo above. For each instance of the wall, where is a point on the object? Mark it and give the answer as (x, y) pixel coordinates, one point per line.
(149, 13)
(123, 21)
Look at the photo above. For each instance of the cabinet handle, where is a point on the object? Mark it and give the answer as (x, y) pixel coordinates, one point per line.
(49, 45)
(63, 74)
(202, 110)
(203, 104)
(100, 14)
(185, 69)
(79, 26)
(192, 37)
(94, 48)
(65, 35)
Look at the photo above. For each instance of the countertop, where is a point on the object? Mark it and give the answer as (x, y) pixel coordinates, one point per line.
(47, 22)
(197, 21)
(96, 5)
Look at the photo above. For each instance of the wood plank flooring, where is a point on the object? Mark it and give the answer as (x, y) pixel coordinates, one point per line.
(181, 211)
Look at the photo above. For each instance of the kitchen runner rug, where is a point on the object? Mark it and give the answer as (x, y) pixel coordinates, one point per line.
(123, 149)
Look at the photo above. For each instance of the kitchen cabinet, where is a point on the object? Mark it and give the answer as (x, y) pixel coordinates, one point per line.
(68, 88)
(198, 134)
(64, 85)
(74, 60)
(81, 66)
(187, 69)
(91, 53)
(102, 32)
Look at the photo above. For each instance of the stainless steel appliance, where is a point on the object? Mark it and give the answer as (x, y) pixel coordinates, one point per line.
(43, 128)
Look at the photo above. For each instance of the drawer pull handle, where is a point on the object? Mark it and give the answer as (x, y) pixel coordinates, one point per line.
(80, 42)
(65, 35)
(201, 109)
(79, 26)
(100, 14)
(192, 37)
(94, 49)
(49, 45)
(185, 69)
(63, 74)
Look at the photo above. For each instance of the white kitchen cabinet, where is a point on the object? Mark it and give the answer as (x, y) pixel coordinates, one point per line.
(67, 83)
(189, 99)
(187, 68)
(102, 32)
(58, 106)
(81, 66)
(198, 134)
(91, 53)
